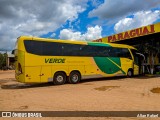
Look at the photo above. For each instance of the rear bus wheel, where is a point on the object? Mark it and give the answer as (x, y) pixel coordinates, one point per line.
(74, 77)
(59, 78)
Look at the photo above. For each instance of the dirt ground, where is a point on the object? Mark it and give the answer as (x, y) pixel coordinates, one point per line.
(105, 94)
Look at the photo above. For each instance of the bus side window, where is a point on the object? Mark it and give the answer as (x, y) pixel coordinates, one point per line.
(122, 52)
(126, 53)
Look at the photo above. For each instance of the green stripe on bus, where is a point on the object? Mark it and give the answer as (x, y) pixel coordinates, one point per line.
(109, 65)
(116, 62)
(106, 65)
(97, 44)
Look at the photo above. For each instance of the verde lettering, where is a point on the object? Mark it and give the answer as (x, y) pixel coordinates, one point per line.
(54, 60)
(46, 60)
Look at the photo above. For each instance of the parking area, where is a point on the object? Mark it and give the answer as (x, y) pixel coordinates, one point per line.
(140, 93)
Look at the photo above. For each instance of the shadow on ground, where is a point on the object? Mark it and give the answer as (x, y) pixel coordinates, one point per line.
(86, 81)
(145, 76)
(25, 86)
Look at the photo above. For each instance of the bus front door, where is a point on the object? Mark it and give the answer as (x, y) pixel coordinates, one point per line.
(137, 65)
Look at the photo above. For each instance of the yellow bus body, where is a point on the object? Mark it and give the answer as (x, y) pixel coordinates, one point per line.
(41, 69)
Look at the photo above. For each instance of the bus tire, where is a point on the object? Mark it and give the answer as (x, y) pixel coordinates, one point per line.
(74, 77)
(130, 73)
(59, 78)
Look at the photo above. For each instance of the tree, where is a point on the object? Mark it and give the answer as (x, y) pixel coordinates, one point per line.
(3, 60)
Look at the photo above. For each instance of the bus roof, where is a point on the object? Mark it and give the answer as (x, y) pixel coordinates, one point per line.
(74, 42)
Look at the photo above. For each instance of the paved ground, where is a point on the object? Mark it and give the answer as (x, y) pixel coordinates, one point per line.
(107, 94)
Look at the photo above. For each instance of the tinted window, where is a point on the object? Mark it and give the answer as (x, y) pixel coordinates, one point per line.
(33, 47)
(136, 56)
(51, 48)
(124, 52)
(64, 49)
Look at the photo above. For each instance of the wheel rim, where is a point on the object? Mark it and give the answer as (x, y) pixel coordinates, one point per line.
(129, 73)
(75, 78)
(60, 78)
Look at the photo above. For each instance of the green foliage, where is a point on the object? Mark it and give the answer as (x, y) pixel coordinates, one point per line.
(2, 60)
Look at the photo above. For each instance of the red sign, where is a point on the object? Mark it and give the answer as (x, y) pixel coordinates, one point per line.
(132, 33)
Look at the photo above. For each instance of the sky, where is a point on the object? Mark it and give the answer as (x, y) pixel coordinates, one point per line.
(84, 20)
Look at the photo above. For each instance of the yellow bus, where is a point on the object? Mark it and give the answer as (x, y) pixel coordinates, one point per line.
(48, 60)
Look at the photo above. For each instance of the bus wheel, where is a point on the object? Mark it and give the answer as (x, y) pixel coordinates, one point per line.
(74, 77)
(59, 78)
(130, 73)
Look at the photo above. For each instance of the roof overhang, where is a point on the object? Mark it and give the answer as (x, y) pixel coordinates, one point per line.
(131, 34)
